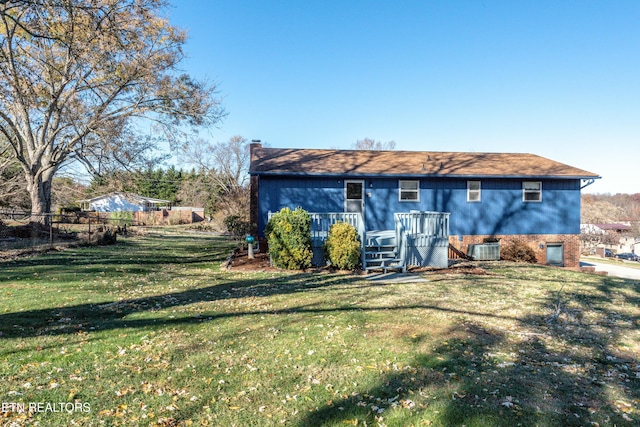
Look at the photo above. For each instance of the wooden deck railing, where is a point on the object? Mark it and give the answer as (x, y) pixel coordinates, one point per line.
(433, 224)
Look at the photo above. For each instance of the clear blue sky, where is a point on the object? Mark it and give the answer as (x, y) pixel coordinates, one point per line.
(560, 79)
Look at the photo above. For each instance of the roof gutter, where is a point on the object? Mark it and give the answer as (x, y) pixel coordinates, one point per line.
(588, 182)
(405, 175)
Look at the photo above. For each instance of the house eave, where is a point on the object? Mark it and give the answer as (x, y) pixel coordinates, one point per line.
(418, 175)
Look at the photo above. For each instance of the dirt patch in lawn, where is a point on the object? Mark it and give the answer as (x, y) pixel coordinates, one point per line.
(240, 261)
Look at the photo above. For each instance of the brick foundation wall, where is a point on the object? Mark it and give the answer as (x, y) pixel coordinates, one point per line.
(571, 245)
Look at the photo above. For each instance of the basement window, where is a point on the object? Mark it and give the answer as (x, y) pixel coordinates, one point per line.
(473, 191)
(409, 191)
(532, 191)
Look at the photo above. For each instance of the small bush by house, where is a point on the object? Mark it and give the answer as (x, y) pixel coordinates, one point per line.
(342, 248)
(289, 238)
(518, 251)
(236, 226)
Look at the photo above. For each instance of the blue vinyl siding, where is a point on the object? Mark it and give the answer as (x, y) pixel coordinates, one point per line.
(311, 194)
(500, 211)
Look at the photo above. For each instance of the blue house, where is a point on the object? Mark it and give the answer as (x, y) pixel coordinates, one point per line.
(482, 198)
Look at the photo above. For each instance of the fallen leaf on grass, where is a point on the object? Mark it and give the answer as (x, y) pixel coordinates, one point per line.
(508, 402)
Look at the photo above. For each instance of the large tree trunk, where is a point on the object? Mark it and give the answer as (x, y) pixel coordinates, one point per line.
(39, 188)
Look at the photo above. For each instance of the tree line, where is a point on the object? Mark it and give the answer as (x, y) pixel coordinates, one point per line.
(610, 208)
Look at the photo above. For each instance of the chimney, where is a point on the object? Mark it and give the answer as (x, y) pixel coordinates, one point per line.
(255, 144)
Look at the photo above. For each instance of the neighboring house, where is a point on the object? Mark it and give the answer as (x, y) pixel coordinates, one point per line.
(146, 210)
(628, 244)
(119, 202)
(489, 197)
(592, 229)
(618, 237)
(595, 238)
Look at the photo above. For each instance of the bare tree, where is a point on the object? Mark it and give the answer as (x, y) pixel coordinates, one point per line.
(231, 161)
(592, 239)
(228, 160)
(371, 144)
(225, 168)
(12, 186)
(78, 77)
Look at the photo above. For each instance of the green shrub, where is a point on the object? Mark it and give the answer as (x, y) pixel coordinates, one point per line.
(342, 247)
(289, 238)
(518, 251)
(236, 226)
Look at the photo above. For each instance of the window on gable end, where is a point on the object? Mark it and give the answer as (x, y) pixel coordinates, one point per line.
(473, 191)
(532, 191)
(409, 191)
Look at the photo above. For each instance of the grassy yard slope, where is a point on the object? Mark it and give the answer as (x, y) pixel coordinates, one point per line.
(152, 332)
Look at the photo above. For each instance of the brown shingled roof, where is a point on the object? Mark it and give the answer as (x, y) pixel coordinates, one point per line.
(415, 163)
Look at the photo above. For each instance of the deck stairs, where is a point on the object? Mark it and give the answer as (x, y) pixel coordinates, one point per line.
(382, 251)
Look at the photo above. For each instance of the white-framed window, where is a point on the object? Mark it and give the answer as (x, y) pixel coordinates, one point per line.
(473, 191)
(532, 191)
(409, 191)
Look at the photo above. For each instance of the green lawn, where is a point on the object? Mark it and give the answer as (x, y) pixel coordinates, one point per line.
(152, 332)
